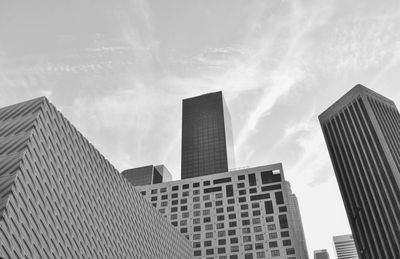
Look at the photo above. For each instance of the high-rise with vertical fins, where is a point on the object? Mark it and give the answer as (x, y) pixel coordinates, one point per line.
(362, 132)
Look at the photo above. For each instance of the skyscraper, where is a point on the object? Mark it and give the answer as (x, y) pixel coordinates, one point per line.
(147, 175)
(60, 198)
(207, 145)
(345, 247)
(321, 254)
(362, 132)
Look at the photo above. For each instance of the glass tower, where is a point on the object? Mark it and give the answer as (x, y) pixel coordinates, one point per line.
(207, 145)
(362, 132)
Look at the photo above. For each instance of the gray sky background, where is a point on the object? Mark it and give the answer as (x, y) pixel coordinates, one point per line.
(118, 70)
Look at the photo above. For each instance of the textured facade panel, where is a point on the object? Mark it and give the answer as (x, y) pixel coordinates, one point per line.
(249, 213)
(206, 136)
(362, 131)
(66, 200)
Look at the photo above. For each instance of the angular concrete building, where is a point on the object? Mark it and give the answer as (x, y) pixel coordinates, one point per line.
(362, 132)
(207, 142)
(60, 198)
(249, 213)
(321, 254)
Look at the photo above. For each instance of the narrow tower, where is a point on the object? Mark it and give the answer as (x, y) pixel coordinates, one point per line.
(207, 146)
(362, 132)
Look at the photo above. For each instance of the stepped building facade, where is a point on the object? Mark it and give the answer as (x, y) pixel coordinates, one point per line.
(60, 198)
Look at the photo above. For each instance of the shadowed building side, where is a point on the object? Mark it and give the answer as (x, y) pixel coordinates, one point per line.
(60, 198)
(362, 132)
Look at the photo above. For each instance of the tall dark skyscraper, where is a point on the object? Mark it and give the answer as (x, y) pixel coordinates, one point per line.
(362, 132)
(207, 145)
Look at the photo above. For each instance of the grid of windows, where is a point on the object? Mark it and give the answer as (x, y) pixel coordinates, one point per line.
(226, 220)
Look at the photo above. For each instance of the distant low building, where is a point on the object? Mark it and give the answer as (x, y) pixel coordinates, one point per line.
(147, 175)
(345, 247)
(321, 254)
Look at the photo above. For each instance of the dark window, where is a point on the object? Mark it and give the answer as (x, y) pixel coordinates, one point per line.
(222, 180)
(241, 177)
(143, 192)
(222, 242)
(279, 198)
(208, 204)
(231, 232)
(197, 229)
(210, 251)
(220, 210)
(154, 191)
(273, 244)
(270, 177)
(287, 242)
(207, 243)
(206, 219)
(290, 251)
(174, 195)
(196, 185)
(269, 209)
(154, 198)
(197, 253)
(253, 190)
(221, 218)
(271, 187)
(230, 208)
(231, 201)
(255, 205)
(164, 197)
(234, 240)
(183, 208)
(174, 202)
(218, 203)
(283, 221)
(242, 192)
(282, 209)
(183, 230)
(206, 183)
(285, 234)
(244, 207)
(232, 216)
(221, 250)
(260, 197)
(174, 209)
(244, 214)
(183, 201)
(240, 185)
(174, 223)
(252, 180)
(256, 213)
(242, 199)
(185, 186)
(232, 224)
(175, 188)
(245, 222)
(213, 189)
(229, 191)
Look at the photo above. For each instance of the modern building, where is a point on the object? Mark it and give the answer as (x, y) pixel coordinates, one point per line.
(362, 132)
(249, 213)
(321, 254)
(207, 145)
(147, 175)
(345, 248)
(60, 198)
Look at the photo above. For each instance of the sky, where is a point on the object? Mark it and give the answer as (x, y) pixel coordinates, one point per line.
(119, 69)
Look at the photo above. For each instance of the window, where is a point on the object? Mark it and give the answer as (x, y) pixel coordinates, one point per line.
(229, 191)
(208, 204)
(220, 225)
(197, 253)
(244, 214)
(196, 221)
(260, 197)
(247, 239)
(257, 229)
(174, 216)
(220, 210)
(248, 247)
(287, 242)
(241, 177)
(196, 199)
(244, 207)
(256, 221)
(260, 254)
(242, 192)
(222, 180)
(256, 213)
(206, 212)
(230, 208)
(273, 244)
(209, 234)
(242, 199)
(196, 192)
(231, 232)
(218, 195)
(196, 236)
(269, 219)
(220, 217)
(196, 185)
(207, 243)
(231, 201)
(218, 203)
(175, 188)
(164, 197)
(212, 189)
(248, 256)
(197, 228)
(196, 244)
(279, 198)
(232, 216)
(154, 191)
(282, 209)
(275, 253)
(253, 190)
(143, 192)
(232, 224)
(185, 194)
(209, 226)
(196, 213)
(245, 230)
(174, 209)
(210, 251)
(196, 206)
(270, 177)
(183, 201)
(183, 230)
(271, 187)
(206, 219)
(259, 246)
(185, 186)
(234, 249)
(273, 235)
(283, 221)
(183, 208)
(221, 250)
(240, 185)
(255, 205)
(259, 237)
(174, 223)
(206, 197)
(164, 204)
(234, 240)
(183, 222)
(269, 209)
(162, 211)
(221, 233)
(245, 222)
(162, 190)
(174, 195)
(174, 202)
(285, 234)
(252, 180)
(271, 227)
(290, 251)
(154, 198)
(206, 183)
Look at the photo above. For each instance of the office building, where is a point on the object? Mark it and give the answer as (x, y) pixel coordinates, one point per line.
(362, 132)
(321, 254)
(147, 175)
(345, 248)
(245, 213)
(207, 145)
(60, 198)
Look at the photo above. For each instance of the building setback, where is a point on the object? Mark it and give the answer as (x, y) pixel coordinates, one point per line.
(60, 198)
(345, 247)
(207, 145)
(147, 175)
(362, 132)
(246, 213)
(321, 254)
